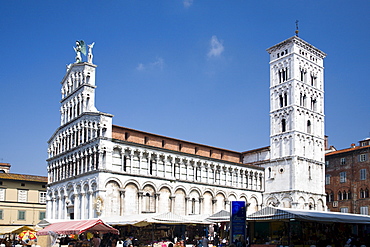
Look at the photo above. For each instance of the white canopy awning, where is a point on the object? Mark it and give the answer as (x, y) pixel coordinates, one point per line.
(271, 213)
(220, 216)
(154, 218)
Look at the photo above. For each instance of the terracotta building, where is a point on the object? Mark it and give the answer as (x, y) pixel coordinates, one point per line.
(347, 181)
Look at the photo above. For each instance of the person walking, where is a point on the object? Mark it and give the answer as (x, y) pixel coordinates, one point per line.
(96, 241)
(205, 241)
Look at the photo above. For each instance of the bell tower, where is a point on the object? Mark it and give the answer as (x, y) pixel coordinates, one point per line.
(296, 170)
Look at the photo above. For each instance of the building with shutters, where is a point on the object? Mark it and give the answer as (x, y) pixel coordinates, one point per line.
(347, 179)
(22, 198)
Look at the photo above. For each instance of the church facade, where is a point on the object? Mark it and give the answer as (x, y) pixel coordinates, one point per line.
(97, 169)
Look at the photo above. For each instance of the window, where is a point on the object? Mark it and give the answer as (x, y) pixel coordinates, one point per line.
(2, 194)
(342, 177)
(281, 100)
(343, 161)
(364, 193)
(42, 215)
(21, 215)
(331, 197)
(1, 214)
(363, 174)
(22, 195)
(193, 206)
(340, 196)
(42, 197)
(364, 210)
(326, 162)
(344, 210)
(362, 157)
(283, 125)
(309, 127)
(303, 74)
(327, 178)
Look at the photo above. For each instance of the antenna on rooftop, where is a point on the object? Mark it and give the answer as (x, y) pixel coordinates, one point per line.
(296, 28)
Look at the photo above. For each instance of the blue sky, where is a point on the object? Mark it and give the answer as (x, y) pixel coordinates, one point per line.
(195, 70)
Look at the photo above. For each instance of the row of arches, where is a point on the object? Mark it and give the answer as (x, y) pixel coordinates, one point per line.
(71, 137)
(85, 160)
(287, 201)
(346, 195)
(121, 196)
(75, 79)
(74, 107)
(309, 74)
(156, 164)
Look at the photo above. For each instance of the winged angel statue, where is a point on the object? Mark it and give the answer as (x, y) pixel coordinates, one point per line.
(80, 48)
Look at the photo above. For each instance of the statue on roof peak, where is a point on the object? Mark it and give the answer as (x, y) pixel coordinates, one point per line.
(80, 48)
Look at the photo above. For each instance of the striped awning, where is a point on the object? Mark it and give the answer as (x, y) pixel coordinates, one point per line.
(272, 213)
(77, 227)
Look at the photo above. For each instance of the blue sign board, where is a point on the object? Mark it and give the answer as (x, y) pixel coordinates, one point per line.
(238, 221)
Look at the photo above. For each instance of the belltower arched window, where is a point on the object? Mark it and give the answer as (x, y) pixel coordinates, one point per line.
(285, 99)
(283, 125)
(281, 100)
(309, 127)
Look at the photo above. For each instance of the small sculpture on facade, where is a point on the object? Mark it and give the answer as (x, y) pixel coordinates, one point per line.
(80, 48)
(99, 205)
(90, 55)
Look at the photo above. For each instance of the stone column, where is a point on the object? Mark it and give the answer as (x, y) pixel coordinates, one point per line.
(49, 205)
(187, 202)
(156, 196)
(90, 206)
(122, 201)
(83, 205)
(201, 209)
(76, 206)
(65, 209)
(172, 198)
(53, 210)
(214, 201)
(140, 201)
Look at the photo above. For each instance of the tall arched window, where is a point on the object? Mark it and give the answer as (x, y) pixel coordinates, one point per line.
(283, 125)
(339, 196)
(285, 99)
(309, 127)
(281, 100)
(193, 206)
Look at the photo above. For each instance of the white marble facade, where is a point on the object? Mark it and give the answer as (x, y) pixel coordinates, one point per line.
(91, 174)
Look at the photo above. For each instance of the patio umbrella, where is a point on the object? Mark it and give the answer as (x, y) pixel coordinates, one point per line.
(27, 235)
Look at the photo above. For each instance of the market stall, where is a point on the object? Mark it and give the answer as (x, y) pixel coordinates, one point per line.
(9, 234)
(160, 227)
(284, 226)
(75, 227)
